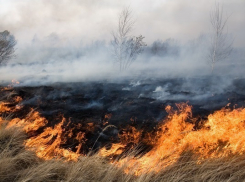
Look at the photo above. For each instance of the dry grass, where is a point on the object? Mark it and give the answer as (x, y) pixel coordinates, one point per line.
(21, 165)
(13, 156)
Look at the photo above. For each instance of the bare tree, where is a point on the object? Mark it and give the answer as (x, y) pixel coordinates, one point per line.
(7, 43)
(126, 48)
(221, 46)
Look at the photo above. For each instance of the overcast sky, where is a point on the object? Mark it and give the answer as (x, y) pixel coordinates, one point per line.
(90, 20)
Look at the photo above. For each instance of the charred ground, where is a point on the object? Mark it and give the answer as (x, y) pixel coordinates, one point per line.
(91, 106)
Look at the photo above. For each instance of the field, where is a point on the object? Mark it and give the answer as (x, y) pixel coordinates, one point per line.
(185, 129)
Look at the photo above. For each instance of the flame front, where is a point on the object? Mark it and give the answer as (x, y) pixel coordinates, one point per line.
(47, 143)
(220, 135)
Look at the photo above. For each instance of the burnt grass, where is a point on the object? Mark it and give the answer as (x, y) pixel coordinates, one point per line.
(91, 106)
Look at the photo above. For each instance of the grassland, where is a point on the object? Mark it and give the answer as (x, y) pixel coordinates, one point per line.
(21, 165)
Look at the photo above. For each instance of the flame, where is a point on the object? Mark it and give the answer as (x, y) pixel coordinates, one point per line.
(32, 122)
(47, 143)
(4, 107)
(116, 149)
(10, 86)
(222, 135)
(130, 135)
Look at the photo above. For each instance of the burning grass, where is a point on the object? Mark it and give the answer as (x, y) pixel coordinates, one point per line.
(19, 164)
(183, 148)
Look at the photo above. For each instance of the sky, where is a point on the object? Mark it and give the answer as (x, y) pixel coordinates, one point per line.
(90, 20)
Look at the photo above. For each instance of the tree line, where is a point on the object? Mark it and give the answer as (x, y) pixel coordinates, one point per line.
(127, 47)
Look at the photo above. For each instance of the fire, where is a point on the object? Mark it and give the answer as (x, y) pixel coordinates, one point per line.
(4, 107)
(13, 83)
(31, 123)
(220, 135)
(116, 149)
(130, 135)
(46, 144)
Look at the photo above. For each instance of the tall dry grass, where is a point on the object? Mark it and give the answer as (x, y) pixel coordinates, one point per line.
(20, 165)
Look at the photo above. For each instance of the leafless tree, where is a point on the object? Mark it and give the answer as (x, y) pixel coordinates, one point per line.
(7, 43)
(126, 48)
(221, 46)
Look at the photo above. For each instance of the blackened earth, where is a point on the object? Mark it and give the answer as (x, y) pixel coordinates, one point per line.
(137, 103)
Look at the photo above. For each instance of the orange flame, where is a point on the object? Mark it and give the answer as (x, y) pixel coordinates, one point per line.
(46, 144)
(4, 107)
(116, 149)
(32, 122)
(222, 134)
(11, 85)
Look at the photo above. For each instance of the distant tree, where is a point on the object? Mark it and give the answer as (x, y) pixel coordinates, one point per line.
(168, 47)
(221, 46)
(7, 43)
(126, 48)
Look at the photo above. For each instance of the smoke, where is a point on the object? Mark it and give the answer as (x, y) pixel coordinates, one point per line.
(54, 59)
(70, 41)
(94, 20)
